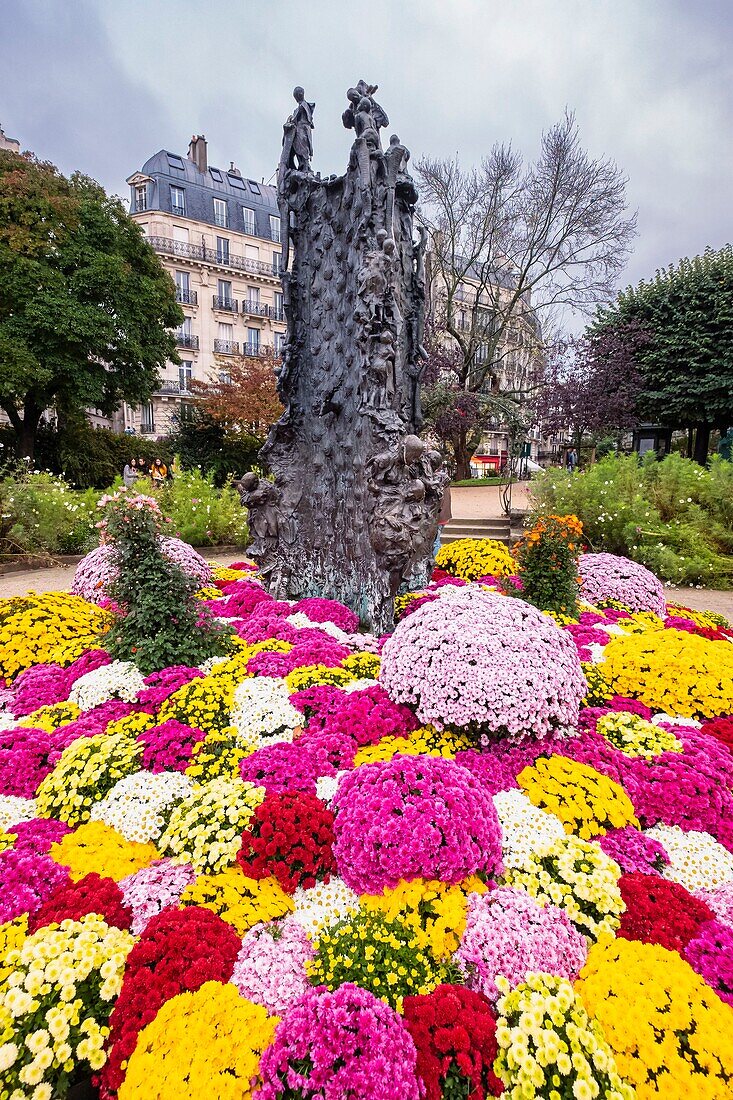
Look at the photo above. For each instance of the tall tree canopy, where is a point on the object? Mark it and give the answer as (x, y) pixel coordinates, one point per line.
(86, 309)
(510, 242)
(686, 365)
(591, 385)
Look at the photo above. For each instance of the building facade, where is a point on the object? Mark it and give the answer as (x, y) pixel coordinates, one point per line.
(516, 365)
(11, 145)
(218, 236)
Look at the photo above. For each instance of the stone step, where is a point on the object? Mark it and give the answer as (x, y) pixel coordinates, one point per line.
(497, 529)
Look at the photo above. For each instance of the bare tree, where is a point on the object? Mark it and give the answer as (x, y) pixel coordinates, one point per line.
(511, 243)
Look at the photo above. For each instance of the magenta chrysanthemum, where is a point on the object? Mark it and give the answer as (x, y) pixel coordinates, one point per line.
(342, 1044)
(413, 817)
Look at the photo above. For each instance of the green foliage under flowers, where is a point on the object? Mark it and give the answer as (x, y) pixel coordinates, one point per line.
(161, 621)
(383, 956)
(673, 516)
(200, 513)
(39, 513)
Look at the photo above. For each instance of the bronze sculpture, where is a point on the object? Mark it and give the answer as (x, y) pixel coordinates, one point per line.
(353, 510)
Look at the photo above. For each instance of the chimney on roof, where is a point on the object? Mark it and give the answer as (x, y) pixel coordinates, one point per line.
(233, 170)
(197, 152)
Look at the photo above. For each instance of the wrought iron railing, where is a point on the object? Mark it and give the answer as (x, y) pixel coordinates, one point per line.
(255, 309)
(168, 247)
(226, 347)
(231, 305)
(186, 340)
(187, 297)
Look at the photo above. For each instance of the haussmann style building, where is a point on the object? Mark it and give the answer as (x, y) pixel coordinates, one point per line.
(218, 235)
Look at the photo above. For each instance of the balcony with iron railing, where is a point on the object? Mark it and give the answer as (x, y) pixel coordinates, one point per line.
(184, 250)
(186, 297)
(230, 305)
(187, 340)
(169, 388)
(226, 347)
(252, 308)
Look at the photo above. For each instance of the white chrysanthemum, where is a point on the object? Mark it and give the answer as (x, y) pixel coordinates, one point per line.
(118, 680)
(698, 861)
(323, 905)
(523, 826)
(262, 709)
(358, 685)
(597, 653)
(14, 810)
(670, 720)
(327, 785)
(301, 621)
(8, 722)
(137, 806)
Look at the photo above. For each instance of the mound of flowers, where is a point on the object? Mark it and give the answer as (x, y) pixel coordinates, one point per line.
(486, 663)
(96, 573)
(413, 817)
(607, 578)
(490, 853)
(470, 559)
(672, 671)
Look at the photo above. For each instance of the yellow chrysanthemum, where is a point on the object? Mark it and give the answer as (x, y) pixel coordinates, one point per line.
(470, 559)
(238, 900)
(96, 847)
(52, 628)
(670, 1034)
(672, 671)
(229, 1035)
(587, 802)
(434, 910)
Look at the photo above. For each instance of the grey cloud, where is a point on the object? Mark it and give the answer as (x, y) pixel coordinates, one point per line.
(101, 85)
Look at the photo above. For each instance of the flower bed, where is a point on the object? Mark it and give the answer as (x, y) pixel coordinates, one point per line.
(438, 865)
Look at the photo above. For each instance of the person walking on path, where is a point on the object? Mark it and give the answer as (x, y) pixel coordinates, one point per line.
(129, 474)
(571, 460)
(158, 473)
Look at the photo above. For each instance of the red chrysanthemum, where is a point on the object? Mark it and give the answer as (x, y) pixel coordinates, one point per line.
(658, 911)
(721, 729)
(91, 894)
(291, 837)
(454, 1032)
(179, 950)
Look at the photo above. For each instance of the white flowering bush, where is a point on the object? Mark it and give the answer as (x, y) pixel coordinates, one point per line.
(262, 710)
(697, 860)
(323, 905)
(523, 826)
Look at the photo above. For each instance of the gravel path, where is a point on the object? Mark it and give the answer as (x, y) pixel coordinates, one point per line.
(59, 578)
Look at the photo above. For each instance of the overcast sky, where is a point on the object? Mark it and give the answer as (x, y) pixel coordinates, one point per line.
(100, 85)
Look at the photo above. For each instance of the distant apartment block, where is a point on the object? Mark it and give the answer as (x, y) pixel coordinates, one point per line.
(12, 145)
(218, 236)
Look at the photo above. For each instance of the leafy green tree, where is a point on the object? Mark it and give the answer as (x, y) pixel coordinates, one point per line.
(686, 365)
(86, 310)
